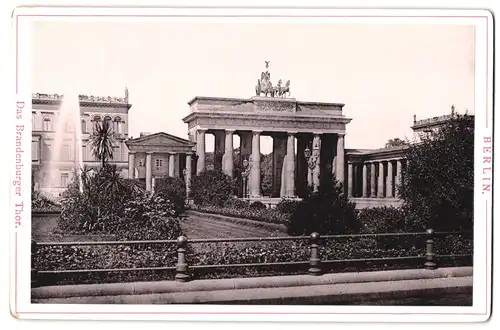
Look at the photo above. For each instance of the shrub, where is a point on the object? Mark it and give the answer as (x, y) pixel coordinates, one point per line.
(41, 203)
(382, 220)
(257, 205)
(327, 212)
(287, 206)
(211, 187)
(172, 189)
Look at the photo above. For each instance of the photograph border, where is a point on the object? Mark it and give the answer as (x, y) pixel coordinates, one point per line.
(22, 308)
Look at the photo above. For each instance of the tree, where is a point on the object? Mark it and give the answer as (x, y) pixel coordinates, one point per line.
(438, 184)
(396, 142)
(102, 141)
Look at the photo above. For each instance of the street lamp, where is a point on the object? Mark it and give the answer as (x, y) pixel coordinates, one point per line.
(307, 153)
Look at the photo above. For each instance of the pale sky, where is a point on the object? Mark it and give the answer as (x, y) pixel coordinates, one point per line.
(383, 73)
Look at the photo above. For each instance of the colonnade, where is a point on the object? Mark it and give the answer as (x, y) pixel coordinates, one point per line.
(290, 167)
(374, 178)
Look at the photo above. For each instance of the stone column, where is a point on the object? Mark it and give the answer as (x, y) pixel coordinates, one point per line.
(149, 173)
(290, 169)
(316, 152)
(228, 154)
(302, 167)
(171, 165)
(200, 150)
(380, 193)
(219, 149)
(188, 174)
(389, 181)
(398, 176)
(279, 165)
(365, 180)
(340, 158)
(372, 180)
(131, 165)
(349, 180)
(255, 170)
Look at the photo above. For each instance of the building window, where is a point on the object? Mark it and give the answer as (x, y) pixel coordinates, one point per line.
(96, 120)
(47, 124)
(117, 125)
(84, 153)
(159, 162)
(66, 155)
(33, 121)
(64, 179)
(110, 123)
(46, 151)
(84, 126)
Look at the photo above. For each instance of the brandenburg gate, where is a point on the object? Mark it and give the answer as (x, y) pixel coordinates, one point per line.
(315, 129)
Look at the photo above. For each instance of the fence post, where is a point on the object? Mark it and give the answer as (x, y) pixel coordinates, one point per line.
(314, 261)
(430, 256)
(182, 266)
(34, 272)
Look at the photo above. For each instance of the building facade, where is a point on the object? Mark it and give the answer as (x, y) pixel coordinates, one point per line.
(157, 156)
(52, 170)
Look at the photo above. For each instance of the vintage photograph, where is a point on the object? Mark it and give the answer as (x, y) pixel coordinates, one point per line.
(233, 161)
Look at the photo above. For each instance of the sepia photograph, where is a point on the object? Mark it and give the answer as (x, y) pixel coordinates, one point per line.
(255, 159)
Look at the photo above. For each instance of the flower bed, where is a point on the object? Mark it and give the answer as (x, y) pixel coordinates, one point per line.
(247, 212)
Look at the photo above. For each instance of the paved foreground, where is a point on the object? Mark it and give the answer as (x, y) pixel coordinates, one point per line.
(396, 287)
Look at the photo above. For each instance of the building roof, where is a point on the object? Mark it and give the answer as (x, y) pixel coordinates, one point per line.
(158, 139)
(85, 100)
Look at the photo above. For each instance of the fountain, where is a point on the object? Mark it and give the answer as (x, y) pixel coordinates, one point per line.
(68, 129)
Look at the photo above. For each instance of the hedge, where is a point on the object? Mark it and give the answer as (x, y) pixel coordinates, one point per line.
(121, 256)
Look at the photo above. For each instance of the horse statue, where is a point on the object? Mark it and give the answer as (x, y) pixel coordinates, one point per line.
(284, 89)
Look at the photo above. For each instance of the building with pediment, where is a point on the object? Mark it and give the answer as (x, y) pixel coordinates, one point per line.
(157, 156)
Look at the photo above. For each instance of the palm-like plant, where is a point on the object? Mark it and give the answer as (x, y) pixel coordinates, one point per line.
(102, 141)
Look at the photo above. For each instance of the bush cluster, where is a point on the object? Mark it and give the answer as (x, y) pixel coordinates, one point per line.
(211, 187)
(385, 219)
(41, 203)
(172, 189)
(326, 212)
(110, 204)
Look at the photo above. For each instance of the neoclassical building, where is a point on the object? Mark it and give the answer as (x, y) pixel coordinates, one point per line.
(157, 156)
(315, 129)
